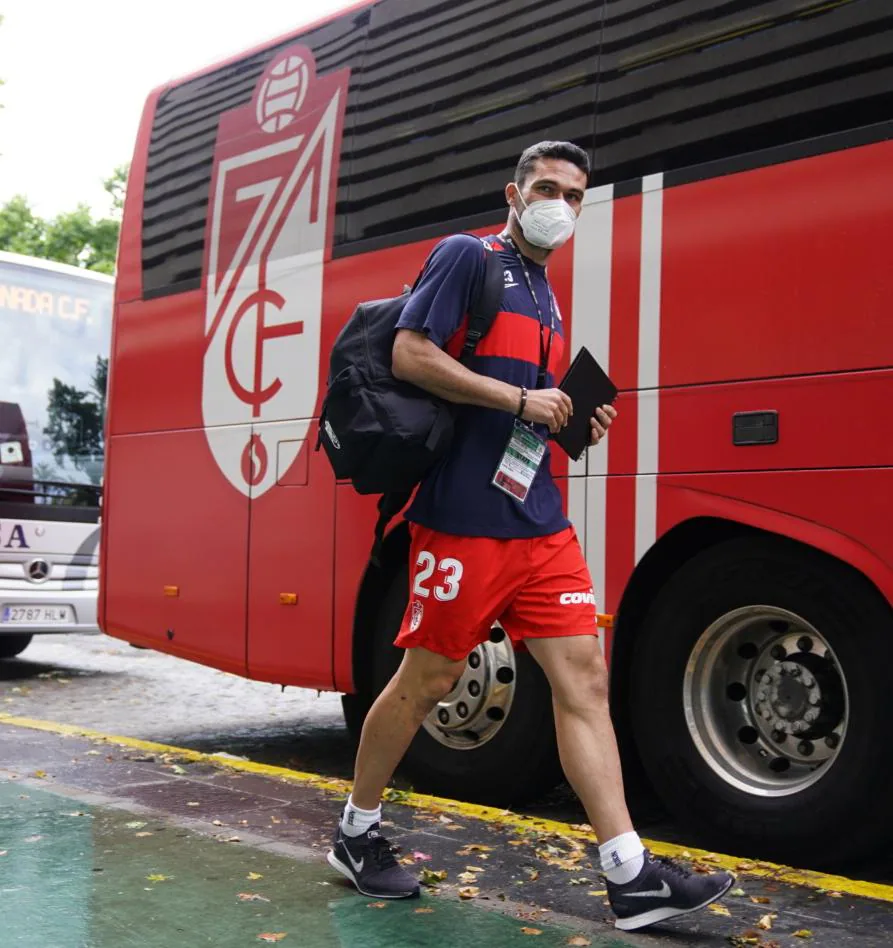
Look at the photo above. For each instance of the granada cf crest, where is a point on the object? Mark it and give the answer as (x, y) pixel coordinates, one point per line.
(268, 233)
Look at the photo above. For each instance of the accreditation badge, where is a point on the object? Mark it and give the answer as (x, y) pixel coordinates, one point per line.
(520, 461)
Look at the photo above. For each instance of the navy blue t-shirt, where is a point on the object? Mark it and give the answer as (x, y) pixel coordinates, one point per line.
(457, 496)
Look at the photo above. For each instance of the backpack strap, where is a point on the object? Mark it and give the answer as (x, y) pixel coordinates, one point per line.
(389, 505)
(485, 306)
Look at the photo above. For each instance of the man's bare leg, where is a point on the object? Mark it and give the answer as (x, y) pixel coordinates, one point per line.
(393, 721)
(587, 744)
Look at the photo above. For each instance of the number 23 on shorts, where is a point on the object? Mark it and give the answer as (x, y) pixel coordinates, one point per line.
(449, 573)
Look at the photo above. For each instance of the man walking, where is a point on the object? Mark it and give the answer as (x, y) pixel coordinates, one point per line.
(490, 541)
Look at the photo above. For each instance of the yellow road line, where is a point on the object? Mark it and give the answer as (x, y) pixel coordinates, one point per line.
(503, 818)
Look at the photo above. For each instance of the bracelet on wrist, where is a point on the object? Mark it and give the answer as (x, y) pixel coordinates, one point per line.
(523, 402)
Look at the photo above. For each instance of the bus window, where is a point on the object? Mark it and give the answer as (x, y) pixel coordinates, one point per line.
(686, 83)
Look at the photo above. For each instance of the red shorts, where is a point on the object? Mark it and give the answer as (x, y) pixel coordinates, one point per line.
(459, 586)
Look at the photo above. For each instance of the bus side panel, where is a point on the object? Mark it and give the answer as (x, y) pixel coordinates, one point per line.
(291, 554)
(845, 513)
(159, 348)
(824, 421)
(176, 540)
(783, 270)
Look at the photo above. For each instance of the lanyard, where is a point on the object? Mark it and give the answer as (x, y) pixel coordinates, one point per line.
(545, 351)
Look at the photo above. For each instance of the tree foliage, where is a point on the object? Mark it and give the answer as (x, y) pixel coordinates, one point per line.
(74, 237)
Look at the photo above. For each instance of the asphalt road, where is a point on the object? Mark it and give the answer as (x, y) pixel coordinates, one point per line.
(104, 684)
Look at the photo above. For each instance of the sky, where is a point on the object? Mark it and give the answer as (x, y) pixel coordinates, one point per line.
(77, 73)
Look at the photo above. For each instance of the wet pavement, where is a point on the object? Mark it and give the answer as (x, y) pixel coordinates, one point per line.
(107, 844)
(82, 876)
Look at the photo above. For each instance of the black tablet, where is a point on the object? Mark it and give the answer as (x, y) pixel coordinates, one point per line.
(589, 387)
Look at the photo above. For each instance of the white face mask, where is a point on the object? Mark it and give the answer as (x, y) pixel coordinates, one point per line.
(546, 224)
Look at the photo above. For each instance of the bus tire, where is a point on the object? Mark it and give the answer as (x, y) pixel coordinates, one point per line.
(12, 645)
(516, 762)
(739, 649)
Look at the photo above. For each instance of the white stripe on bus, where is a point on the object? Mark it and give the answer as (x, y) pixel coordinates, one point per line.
(649, 364)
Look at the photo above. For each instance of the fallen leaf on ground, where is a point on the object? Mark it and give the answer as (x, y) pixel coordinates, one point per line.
(518, 842)
(423, 911)
(738, 892)
(581, 881)
(531, 931)
(834, 895)
(597, 892)
(233, 839)
(193, 803)
(377, 905)
(406, 861)
(158, 877)
(433, 876)
(742, 941)
(445, 819)
(254, 875)
(251, 897)
(477, 848)
(718, 909)
(803, 933)
(271, 936)
(216, 823)
(144, 833)
(454, 827)
(39, 773)
(746, 866)
(467, 877)
(579, 941)
(475, 869)
(760, 899)
(532, 874)
(135, 824)
(177, 769)
(765, 922)
(469, 892)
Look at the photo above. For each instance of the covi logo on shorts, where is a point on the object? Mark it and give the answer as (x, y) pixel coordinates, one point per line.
(577, 599)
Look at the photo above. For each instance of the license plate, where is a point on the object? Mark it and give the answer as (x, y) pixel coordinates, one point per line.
(37, 615)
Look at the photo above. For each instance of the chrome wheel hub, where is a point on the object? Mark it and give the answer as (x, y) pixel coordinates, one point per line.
(475, 710)
(765, 700)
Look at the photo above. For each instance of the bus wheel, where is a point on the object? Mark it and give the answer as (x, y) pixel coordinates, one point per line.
(761, 705)
(12, 645)
(492, 739)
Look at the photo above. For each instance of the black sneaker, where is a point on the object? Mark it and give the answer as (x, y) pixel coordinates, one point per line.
(664, 890)
(368, 861)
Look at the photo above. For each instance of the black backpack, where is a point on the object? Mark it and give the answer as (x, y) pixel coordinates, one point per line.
(380, 433)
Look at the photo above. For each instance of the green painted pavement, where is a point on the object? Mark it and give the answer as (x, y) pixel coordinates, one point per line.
(75, 876)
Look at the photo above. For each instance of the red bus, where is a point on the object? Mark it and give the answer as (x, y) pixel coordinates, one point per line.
(730, 269)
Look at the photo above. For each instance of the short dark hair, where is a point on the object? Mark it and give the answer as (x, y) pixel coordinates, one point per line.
(566, 151)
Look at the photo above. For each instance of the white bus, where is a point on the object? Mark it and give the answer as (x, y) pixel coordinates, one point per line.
(55, 324)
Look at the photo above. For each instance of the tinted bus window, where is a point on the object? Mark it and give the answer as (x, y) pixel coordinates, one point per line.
(452, 93)
(181, 151)
(686, 82)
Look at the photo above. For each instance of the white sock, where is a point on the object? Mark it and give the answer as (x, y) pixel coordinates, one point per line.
(355, 821)
(622, 857)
